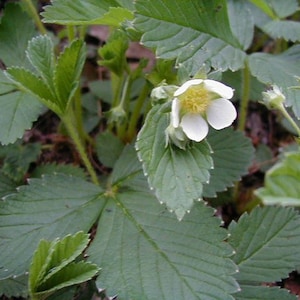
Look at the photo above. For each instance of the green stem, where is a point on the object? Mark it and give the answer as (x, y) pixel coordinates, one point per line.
(72, 130)
(71, 32)
(289, 118)
(124, 103)
(137, 111)
(245, 98)
(35, 16)
(116, 85)
(243, 113)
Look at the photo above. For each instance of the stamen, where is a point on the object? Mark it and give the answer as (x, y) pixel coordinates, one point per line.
(194, 100)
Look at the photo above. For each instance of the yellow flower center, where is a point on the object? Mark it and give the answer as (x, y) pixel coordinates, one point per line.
(194, 100)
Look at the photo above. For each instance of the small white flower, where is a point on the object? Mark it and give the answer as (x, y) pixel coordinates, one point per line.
(198, 103)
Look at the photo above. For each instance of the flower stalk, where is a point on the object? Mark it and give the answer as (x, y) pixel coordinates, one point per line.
(245, 98)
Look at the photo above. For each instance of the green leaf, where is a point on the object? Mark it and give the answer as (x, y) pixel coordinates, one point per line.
(241, 22)
(53, 268)
(30, 83)
(62, 253)
(249, 292)
(288, 30)
(126, 166)
(58, 83)
(16, 29)
(266, 243)
(16, 287)
(6, 85)
(39, 264)
(86, 12)
(73, 273)
(194, 32)
(232, 156)
(18, 160)
(53, 168)
(18, 111)
(284, 9)
(40, 53)
(264, 158)
(46, 209)
(148, 254)
(113, 52)
(7, 185)
(176, 175)
(108, 148)
(264, 6)
(281, 70)
(67, 72)
(282, 182)
(276, 9)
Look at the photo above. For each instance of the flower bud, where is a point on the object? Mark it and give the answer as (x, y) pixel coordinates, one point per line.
(273, 98)
(163, 92)
(116, 115)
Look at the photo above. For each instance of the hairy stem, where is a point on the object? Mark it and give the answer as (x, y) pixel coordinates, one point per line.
(35, 16)
(68, 120)
(137, 111)
(245, 98)
(290, 119)
(124, 103)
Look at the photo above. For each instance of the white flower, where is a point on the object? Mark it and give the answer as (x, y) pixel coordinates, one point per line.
(198, 103)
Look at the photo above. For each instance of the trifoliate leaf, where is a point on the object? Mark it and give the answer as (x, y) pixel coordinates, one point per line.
(148, 254)
(176, 175)
(266, 242)
(282, 182)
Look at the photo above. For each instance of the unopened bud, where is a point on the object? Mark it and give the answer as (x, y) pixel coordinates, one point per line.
(273, 98)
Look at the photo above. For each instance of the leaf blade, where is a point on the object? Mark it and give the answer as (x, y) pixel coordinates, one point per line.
(176, 175)
(196, 37)
(147, 247)
(281, 182)
(44, 209)
(266, 243)
(67, 72)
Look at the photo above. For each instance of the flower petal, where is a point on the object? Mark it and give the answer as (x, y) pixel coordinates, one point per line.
(175, 113)
(186, 85)
(221, 113)
(219, 88)
(194, 126)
